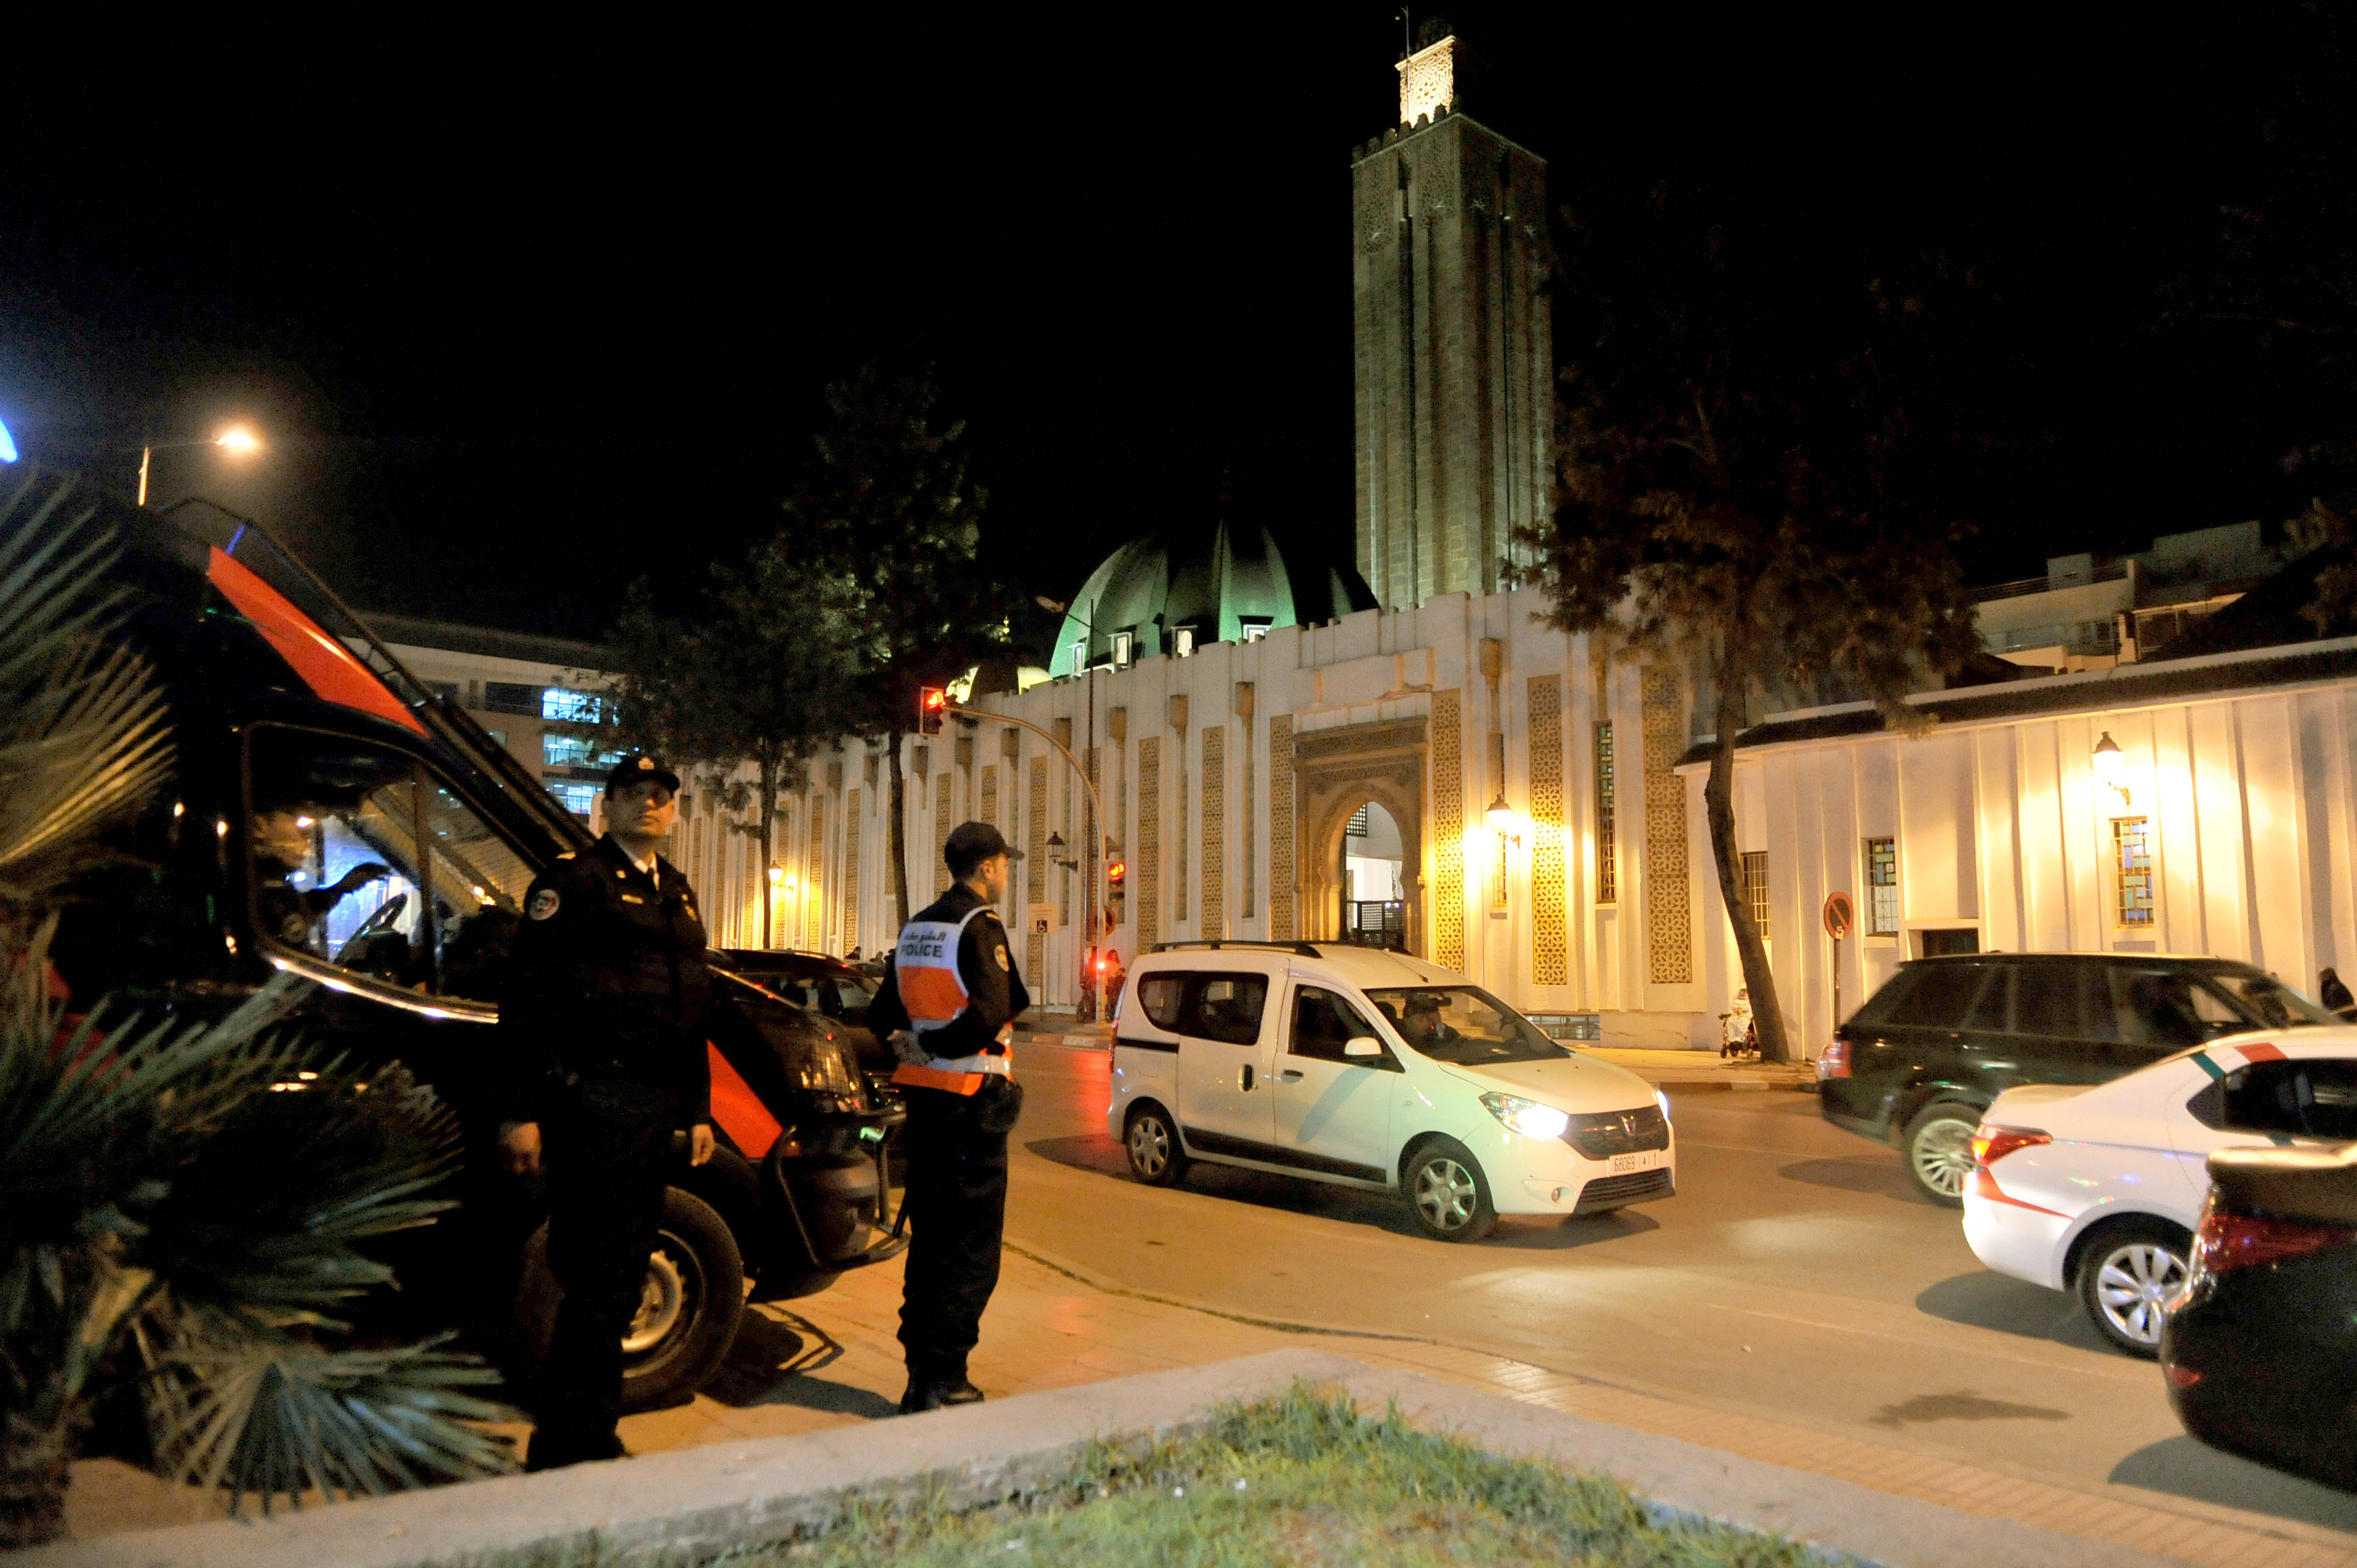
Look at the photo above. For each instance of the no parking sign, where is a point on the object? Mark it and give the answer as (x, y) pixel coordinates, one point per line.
(1840, 916)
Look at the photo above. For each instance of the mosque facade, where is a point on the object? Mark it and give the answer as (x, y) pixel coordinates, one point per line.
(1399, 750)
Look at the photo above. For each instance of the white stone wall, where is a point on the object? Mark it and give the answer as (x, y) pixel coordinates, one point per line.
(2003, 827)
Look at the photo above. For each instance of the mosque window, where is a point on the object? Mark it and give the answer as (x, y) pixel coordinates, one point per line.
(1755, 889)
(1607, 857)
(1184, 641)
(1882, 887)
(2132, 866)
(1255, 627)
(1123, 649)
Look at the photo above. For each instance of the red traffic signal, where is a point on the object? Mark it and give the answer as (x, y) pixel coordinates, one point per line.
(932, 702)
(1116, 872)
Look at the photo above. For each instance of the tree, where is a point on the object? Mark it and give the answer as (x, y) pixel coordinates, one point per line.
(170, 1223)
(891, 508)
(1755, 479)
(759, 675)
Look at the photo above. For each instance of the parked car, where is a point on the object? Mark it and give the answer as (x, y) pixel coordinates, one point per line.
(2260, 1356)
(1374, 1069)
(303, 756)
(1924, 1058)
(826, 987)
(2098, 1189)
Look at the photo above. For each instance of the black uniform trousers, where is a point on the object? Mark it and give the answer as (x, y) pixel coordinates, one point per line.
(957, 1214)
(610, 1157)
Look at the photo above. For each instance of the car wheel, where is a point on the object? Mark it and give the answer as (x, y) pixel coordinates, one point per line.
(1939, 1148)
(689, 1306)
(2130, 1273)
(1156, 1157)
(1448, 1196)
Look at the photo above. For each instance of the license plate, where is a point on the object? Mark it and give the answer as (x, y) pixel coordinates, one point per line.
(1646, 1160)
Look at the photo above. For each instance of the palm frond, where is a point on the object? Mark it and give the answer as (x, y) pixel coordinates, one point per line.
(83, 735)
(275, 1419)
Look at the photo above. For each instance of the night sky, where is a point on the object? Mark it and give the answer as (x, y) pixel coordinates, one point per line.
(525, 316)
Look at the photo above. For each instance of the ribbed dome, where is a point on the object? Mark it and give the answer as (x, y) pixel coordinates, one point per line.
(1220, 582)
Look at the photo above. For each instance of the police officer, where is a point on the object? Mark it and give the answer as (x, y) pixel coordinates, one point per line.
(604, 1017)
(950, 995)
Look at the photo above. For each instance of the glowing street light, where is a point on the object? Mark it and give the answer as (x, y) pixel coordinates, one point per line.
(237, 440)
(2112, 765)
(1502, 817)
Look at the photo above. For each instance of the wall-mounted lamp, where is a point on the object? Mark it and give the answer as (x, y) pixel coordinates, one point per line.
(1502, 819)
(2112, 766)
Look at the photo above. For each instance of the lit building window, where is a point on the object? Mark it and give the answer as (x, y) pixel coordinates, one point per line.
(2132, 859)
(578, 798)
(1183, 641)
(1755, 889)
(1079, 655)
(572, 751)
(570, 707)
(1882, 887)
(1123, 644)
(1254, 628)
(1608, 858)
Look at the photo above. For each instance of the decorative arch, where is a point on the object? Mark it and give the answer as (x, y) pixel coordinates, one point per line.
(1335, 772)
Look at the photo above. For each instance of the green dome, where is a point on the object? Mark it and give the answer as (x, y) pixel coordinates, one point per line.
(1224, 584)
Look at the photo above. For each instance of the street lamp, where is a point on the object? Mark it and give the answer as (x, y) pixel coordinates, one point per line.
(1501, 818)
(237, 440)
(2111, 765)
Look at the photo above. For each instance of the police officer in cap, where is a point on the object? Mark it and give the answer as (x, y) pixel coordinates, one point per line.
(604, 1018)
(950, 995)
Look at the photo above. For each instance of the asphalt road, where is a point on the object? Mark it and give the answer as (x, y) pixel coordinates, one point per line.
(1795, 1275)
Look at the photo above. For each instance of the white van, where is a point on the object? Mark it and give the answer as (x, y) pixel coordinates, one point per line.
(1374, 1069)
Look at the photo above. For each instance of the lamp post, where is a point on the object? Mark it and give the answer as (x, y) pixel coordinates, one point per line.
(1088, 700)
(237, 440)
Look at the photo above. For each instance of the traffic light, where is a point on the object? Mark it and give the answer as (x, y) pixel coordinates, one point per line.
(1116, 887)
(1114, 875)
(932, 702)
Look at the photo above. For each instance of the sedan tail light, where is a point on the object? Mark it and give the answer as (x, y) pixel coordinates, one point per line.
(1991, 1145)
(1834, 1063)
(2246, 1241)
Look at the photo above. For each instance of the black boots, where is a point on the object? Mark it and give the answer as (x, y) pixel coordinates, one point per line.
(933, 1388)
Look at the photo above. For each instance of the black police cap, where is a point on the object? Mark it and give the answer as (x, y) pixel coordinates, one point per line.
(637, 768)
(971, 844)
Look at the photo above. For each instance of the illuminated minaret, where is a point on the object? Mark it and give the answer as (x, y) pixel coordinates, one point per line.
(1453, 350)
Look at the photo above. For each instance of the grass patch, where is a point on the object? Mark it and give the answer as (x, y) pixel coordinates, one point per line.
(1297, 1480)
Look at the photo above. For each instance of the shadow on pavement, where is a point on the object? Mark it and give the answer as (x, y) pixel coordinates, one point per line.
(773, 1362)
(1878, 1174)
(1084, 1152)
(1543, 1233)
(1961, 1405)
(1985, 1299)
(2185, 1469)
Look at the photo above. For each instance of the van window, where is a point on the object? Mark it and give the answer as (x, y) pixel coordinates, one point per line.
(1885, 1004)
(1992, 1011)
(2309, 1098)
(1943, 996)
(1226, 1007)
(2171, 1008)
(1323, 1024)
(1161, 996)
(2274, 1005)
(358, 856)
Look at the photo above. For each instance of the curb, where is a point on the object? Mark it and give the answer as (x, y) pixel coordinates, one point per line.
(1076, 1042)
(772, 1490)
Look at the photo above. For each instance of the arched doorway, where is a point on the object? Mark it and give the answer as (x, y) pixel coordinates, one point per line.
(1335, 772)
(1373, 879)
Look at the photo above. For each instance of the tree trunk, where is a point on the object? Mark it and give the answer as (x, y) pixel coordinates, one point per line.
(1719, 808)
(35, 1468)
(899, 837)
(769, 812)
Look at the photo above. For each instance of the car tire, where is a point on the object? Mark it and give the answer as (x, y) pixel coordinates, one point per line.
(692, 1302)
(1448, 1196)
(1938, 1151)
(1151, 1140)
(2130, 1273)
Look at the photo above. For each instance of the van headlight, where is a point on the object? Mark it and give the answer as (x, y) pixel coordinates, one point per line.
(1527, 1117)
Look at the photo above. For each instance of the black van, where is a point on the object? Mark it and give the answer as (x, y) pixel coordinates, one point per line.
(1944, 1036)
(303, 756)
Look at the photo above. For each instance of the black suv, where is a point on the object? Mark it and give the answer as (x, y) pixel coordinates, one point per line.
(837, 991)
(1918, 1063)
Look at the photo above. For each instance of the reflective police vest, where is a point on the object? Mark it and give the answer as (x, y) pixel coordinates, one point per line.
(925, 966)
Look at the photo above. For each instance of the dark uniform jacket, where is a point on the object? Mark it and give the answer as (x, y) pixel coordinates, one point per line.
(608, 980)
(995, 994)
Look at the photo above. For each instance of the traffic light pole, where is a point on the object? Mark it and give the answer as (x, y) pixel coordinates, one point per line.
(1102, 885)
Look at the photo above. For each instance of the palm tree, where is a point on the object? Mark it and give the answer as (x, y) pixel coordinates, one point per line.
(182, 1207)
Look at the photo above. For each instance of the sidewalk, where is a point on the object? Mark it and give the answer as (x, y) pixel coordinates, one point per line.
(833, 1361)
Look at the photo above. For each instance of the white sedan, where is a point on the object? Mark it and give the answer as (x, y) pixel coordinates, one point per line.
(2099, 1187)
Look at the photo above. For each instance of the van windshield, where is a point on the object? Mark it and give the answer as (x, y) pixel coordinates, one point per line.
(1464, 1025)
(2275, 1004)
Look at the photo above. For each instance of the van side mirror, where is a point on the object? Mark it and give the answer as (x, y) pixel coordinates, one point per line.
(1363, 1047)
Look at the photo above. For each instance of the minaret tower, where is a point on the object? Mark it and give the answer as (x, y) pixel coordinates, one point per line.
(1454, 353)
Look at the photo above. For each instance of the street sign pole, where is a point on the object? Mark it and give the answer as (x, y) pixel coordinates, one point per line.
(1840, 916)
